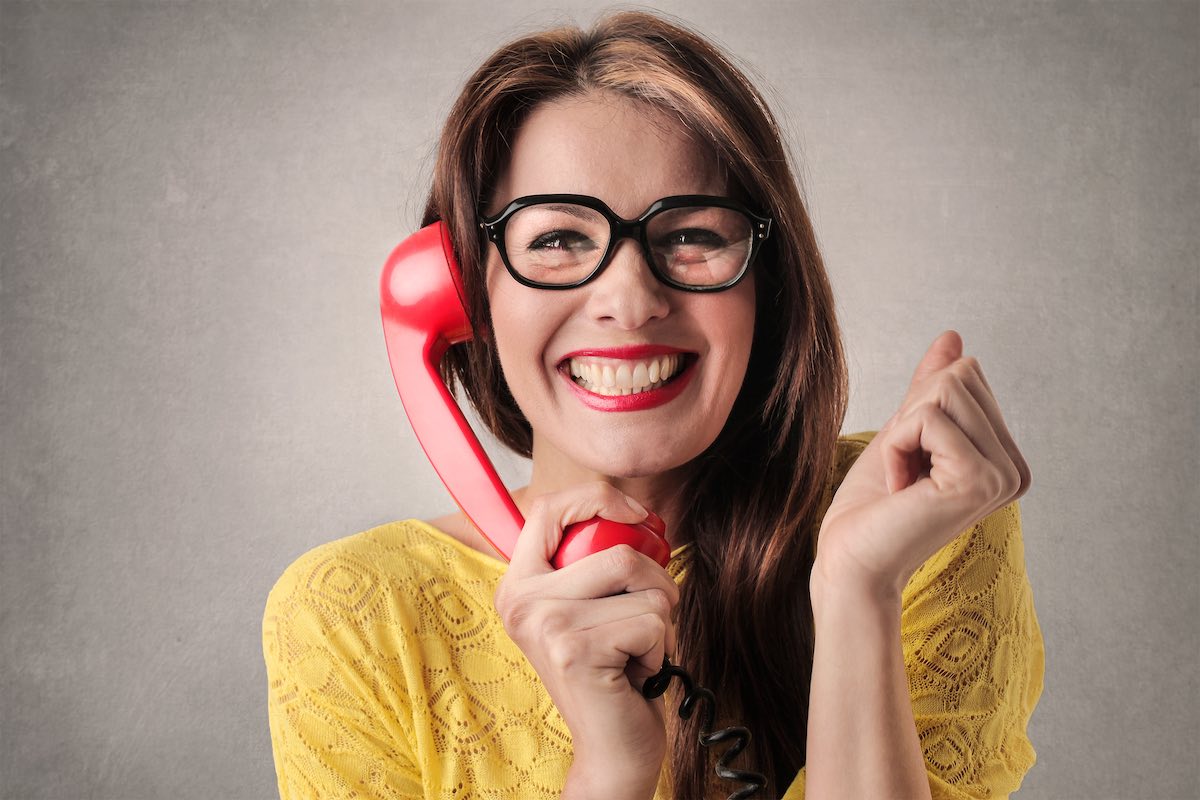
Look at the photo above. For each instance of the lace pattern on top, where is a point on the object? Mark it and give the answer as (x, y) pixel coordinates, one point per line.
(391, 676)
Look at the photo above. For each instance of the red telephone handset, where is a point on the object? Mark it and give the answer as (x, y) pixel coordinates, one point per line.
(421, 299)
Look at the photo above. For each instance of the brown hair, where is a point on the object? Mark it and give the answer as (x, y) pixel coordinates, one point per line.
(756, 495)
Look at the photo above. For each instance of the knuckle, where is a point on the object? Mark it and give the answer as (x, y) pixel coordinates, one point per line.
(950, 381)
(514, 608)
(1022, 468)
(655, 625)
(672, 591)
(501, 598)
(988, 485)
(1026, 476)
(622, 561)
(1013, 480)
(992, 487)
(927, 411)
(550, 621)
(566, 651)
(659, 601)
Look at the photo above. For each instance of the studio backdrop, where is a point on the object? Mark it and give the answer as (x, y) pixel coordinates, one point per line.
(196, 202)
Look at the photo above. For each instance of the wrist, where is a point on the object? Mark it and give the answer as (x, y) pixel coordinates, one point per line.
(613, 778)
(834, 583)
(835, 570)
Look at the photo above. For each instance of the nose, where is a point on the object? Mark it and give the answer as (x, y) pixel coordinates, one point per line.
(626, 294)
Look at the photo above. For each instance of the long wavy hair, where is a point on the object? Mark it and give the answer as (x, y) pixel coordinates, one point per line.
(754, 499)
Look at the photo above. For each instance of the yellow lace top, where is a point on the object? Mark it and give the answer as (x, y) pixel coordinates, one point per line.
(391, 676)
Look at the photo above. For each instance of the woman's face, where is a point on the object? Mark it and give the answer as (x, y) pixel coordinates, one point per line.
(628, 156)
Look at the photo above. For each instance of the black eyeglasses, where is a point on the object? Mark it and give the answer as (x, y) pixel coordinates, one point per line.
(692, 242)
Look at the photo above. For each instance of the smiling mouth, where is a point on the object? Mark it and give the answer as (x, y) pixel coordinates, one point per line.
(615, 377)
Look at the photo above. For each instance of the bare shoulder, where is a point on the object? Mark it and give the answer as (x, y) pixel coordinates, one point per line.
(458, 527)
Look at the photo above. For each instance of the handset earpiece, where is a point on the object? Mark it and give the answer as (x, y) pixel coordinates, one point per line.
(422, 302)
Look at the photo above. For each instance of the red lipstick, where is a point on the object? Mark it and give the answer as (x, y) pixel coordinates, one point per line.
(631, 402)
(631, 351)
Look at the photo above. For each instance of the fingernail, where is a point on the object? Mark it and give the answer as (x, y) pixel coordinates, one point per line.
(636, 506)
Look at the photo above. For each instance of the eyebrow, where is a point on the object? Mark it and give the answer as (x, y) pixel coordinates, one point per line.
(579, 212)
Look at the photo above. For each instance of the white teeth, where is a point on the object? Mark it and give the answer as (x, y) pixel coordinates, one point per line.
(618, 377)
(624, 376)
(641, 375)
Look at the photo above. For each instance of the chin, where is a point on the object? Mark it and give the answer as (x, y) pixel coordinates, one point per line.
(641, 461)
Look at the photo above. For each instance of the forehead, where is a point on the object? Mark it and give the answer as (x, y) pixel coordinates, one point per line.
(626, 153)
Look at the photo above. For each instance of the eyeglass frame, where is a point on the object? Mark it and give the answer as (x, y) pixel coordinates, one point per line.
(620, 228)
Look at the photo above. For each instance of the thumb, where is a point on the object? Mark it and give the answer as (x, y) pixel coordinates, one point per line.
(945, 350)
(551, 513)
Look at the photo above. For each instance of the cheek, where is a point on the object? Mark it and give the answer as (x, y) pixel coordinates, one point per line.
(507, 332)
(520, 329)
(737, 317)
(737, 334)
(504, 306)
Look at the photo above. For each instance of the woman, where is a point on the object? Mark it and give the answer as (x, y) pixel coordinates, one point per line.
(693, 368)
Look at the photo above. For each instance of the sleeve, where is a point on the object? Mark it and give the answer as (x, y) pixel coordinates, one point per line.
(975, 660)
(333, 733)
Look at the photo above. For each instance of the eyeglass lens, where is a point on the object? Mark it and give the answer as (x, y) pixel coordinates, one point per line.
(562, 243)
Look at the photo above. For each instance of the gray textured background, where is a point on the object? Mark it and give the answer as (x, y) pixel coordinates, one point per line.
(197, 199)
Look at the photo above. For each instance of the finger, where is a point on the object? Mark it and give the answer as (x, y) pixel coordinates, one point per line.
(982, 391)
(613, 571)
(558, 615)
(955, 465)
(945, 350)
(637, 674)
(639, 639)
(550, 513)
(948, 389)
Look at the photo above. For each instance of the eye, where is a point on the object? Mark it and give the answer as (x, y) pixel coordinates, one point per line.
(701, 238)
(565, 240)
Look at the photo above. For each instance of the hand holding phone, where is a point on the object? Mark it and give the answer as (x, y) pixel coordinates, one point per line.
(594, 631)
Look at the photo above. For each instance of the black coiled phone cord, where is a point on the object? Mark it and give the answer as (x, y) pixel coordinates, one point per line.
(655, 686)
